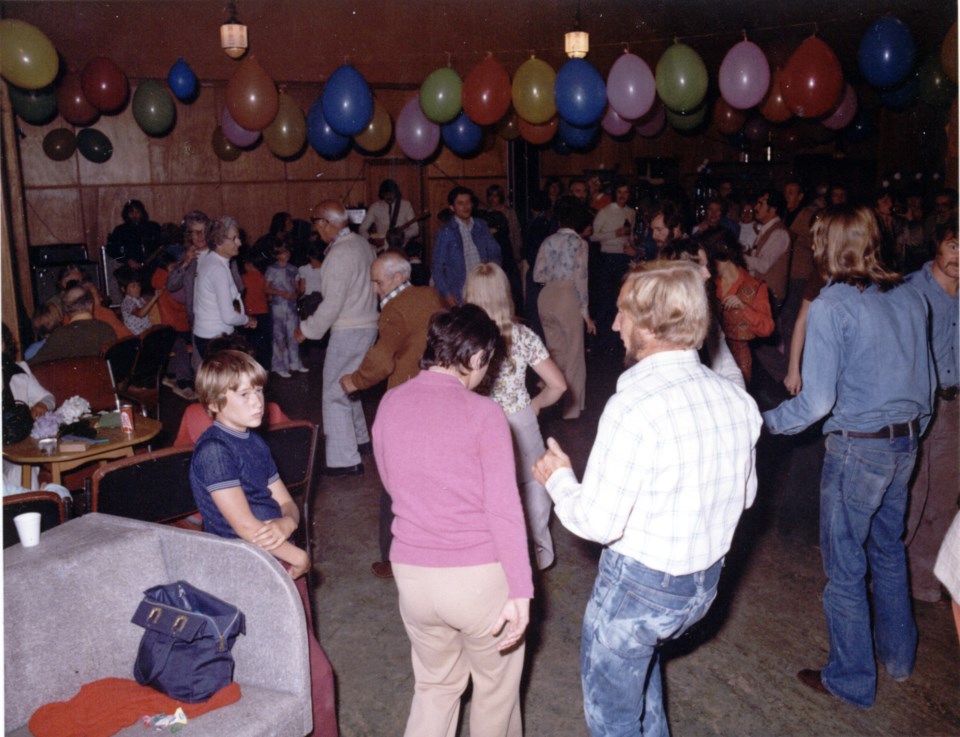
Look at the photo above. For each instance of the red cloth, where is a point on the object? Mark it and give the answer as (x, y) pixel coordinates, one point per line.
(104, 707)
(255, 296)
(322, 690)
(195, 421)
(172, 313)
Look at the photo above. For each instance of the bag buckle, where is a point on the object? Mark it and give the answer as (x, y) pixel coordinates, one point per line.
(154, 616)
(178, 624)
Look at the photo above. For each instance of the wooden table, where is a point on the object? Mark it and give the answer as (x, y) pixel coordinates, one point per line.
(119, 445)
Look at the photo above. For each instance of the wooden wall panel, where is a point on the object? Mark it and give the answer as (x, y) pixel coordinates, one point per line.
(54, 216)
(253, 206)
(38, 168)
(172, 202)
(130, 162)
(185, 154)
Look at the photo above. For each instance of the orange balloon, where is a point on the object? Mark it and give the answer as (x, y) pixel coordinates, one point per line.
(252, 96)
(377, 134)
(774, 107)
(729, 120)
(486, 92)
(812, 80)
(538, 134)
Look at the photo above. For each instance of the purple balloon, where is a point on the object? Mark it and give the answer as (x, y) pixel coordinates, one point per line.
(756, 129)
(651, 124)
(417, 136)
(232, 131)
(614, 124)
(631, 88)
(744, 76)
(845, 112)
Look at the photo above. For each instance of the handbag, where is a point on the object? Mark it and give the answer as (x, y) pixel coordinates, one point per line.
(17, 423)
(308, 304)
(185, 650)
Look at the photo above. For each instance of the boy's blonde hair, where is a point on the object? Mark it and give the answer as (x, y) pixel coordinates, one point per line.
(223, 371)
(668, 298)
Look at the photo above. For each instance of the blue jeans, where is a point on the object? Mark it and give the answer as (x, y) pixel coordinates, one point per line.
(633, 609)
(863, 503)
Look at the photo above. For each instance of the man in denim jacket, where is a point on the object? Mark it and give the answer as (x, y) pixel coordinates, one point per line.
(461, 244)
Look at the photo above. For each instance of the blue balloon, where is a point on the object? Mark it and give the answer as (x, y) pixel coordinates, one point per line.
(324, 139)
(887, 52)
(461, 135)
(576, 137)
(580, 93)
(347, 101)
(182, 80)
(903, 94)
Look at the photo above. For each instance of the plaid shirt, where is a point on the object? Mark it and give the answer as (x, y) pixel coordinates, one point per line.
(672, 467)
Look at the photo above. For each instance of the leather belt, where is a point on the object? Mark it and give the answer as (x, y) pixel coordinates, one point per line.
(948, 393)
(890, 431)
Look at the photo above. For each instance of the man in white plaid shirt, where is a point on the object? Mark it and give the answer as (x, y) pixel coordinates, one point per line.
(670, 473)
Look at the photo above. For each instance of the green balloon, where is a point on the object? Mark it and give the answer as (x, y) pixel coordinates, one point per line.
(687, 121)
(59, 144)
(936, 88)
(35, 107)
(153, 108)
(681, 78)
(222, 147)
(94, 145)
(441, 94)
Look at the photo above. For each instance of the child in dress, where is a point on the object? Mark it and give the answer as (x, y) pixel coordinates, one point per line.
(134, 309)
(308, 275)
(281, 278)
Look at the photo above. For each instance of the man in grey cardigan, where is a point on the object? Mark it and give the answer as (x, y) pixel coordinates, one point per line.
(349, 312)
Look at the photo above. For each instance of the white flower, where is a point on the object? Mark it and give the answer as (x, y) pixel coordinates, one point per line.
(73, 409)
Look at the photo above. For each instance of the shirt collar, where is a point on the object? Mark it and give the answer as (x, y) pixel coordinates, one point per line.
(769, 224)
(242, 434)
(468, 226)
(656, 363)
(394, 293)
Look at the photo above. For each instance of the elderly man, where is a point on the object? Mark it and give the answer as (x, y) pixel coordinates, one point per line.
(405, 312)
(670, 472)
(862, 321)
(349, 312)
(461, 244)
(83, 335)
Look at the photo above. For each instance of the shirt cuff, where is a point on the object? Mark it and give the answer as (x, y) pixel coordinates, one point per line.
(559, 481)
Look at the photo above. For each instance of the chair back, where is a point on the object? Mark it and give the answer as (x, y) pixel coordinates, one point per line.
(85, 376)
(155, 346)
(153, 487)
(293, 445)
(120, 357)
(47, 503)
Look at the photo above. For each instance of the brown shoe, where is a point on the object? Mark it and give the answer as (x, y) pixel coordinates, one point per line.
(382, 569)
(811, 679)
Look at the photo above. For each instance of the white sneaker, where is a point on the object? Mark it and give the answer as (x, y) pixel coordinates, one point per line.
(303, 370)
(283, 374)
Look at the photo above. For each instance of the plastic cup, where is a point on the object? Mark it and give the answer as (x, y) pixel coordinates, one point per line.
(28, 528)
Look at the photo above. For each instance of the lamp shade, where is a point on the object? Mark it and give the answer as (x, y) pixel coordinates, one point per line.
(576, 44)
(233, 39)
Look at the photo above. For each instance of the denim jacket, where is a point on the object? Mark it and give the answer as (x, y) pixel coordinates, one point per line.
(866, 363)
(449, 269)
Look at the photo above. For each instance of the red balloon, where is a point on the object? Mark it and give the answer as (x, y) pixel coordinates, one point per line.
(774, 107)
(487, 92)
(728, 119)
(104, 84)
(252, 96)
(812, 80)
(538, 134)
(73, 106)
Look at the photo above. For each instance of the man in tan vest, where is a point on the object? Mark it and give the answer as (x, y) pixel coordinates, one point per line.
(769, 259)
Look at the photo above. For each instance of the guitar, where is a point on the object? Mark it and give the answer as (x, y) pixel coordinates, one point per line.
(397, 230)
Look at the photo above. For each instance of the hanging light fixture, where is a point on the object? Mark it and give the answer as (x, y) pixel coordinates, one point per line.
(576, 43)
(233, 34)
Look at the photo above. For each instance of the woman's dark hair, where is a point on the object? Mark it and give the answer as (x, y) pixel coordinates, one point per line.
(457, 334)
(278, 222)
(571, 213)
(133, 205)
(386, 186)
(722, 245)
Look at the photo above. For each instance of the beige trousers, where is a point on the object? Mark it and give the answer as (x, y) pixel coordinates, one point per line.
(563, 329)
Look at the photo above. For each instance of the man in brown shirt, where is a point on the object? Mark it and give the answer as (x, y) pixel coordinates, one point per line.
(81, 336)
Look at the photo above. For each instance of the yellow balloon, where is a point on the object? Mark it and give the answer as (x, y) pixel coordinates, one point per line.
(533, 91)
(27, 57)
(377, 134)
(287, 133)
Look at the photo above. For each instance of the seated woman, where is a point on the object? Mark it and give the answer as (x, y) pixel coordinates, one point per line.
(240, 494)
(459, 549)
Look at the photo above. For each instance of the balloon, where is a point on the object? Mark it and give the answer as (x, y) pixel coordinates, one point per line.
(59, 144)
(948, 53)
(887, 52)
(462, 135)
(756, 129)
(576, 137)
(744, 75)
(486, 92)
(812, 80)
(903, 95)
(509, 127)
(222, 147)
(537, 134)
(652, 124)
(441, 94)
(614, 124)
(728, 120)
(34, 106)
(377, 134)
(935, 87)
(27, 58)
(234, 133)
(533, 91)
(774, 107)
(631, 88)
(681, 78)
(73, 106)
(579, 93)
(844, 113)
(417, 136)
(287, 133)
(252, 96)
(153, 108)
(324, 139)
(687, 121)
(104, 85)
(182, 80)
(347, 101)
(94, 145)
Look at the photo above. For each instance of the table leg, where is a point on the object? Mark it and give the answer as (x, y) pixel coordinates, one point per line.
(26, 475)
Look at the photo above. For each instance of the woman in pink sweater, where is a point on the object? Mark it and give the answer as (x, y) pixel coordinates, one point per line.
(459, 550)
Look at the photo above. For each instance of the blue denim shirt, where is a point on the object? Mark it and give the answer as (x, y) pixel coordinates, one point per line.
(944, 334)
(449, 270)
(866, 363)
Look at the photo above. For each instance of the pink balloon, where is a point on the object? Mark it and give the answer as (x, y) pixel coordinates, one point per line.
(845, 112)
(418, 137)
(744, 76)
(614, 124)
(631, 88)
(234, 132)
(651, 124)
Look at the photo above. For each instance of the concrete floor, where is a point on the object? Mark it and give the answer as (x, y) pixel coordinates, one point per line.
(732, 674)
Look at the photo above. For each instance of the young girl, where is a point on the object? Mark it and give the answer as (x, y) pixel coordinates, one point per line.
(487, 287)
(240, 494)
(134, 308)
(281, 278)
